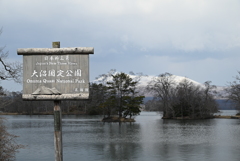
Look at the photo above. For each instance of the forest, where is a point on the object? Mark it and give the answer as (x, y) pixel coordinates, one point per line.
(118, 93)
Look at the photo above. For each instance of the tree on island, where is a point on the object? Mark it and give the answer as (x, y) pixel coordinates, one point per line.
(162, 88)
(183, 99)
(123, 95)
(194, 101)
(233, 91)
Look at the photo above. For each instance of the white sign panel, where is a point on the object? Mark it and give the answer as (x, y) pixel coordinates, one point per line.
(55, 76)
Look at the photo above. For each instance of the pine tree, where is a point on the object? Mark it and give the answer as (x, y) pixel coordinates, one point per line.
(123, 89)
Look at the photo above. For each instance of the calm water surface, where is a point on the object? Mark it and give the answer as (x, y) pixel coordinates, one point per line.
(150, 138)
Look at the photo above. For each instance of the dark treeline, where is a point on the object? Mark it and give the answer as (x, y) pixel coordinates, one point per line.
(117, 97)
(122, 96)
(13, 103)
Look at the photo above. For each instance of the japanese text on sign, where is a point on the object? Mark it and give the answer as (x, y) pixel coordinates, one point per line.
(58, 73)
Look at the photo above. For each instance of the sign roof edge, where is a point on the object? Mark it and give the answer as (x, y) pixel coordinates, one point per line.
(55, 51)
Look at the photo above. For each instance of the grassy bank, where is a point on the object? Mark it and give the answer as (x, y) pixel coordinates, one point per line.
(226, 117)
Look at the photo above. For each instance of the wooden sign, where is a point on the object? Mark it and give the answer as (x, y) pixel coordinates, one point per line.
(55, 73)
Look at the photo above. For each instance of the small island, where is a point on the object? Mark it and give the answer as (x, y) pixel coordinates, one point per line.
(183, 99)
(121, 98)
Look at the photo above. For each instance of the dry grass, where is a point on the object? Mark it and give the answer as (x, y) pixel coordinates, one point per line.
(8, 144)
(226, 117)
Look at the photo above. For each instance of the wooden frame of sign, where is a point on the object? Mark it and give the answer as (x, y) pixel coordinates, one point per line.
(55, 73)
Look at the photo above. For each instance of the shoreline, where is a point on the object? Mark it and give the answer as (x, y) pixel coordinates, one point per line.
(47, 113)
(113, 119)
(226, 117)
(117, 119)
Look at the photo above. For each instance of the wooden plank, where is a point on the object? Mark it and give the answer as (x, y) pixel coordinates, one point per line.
(72, 64)
(58, 131)
(76, 75)
(81, 96)
(68, 73)
(27, 61)
(36, 72)
(55, 51)
(57, 119)
(85, 72)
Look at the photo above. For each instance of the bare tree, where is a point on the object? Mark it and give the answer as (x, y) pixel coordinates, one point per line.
(183, 99)
(8, 145)
(9, 70)
(233, 91)
(3, 100)
(103, 78)
(162, 87)
(194, 101)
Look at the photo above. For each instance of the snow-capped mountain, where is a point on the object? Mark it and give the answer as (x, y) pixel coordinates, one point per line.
(177, 79)
(144, 81)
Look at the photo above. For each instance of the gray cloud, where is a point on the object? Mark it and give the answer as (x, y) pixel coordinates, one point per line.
(155, 36)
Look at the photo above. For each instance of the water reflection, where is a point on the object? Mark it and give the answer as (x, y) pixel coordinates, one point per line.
(149, 138)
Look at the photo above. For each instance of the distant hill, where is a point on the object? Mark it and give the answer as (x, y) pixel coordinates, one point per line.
(225, 105)
(144, 80)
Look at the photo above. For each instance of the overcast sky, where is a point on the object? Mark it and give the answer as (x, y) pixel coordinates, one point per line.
(199, 39)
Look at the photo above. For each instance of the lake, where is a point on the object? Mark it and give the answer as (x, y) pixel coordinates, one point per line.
(86, 138)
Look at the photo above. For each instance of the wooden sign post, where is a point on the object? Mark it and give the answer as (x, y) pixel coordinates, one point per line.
(58, 131)
(57, 112)
(56, 74)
